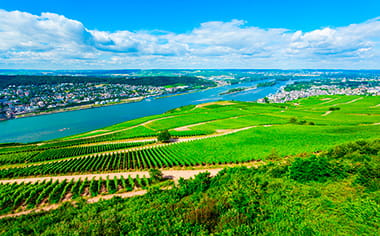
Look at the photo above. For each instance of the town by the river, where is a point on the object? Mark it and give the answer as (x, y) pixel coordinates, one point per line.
(51, 126)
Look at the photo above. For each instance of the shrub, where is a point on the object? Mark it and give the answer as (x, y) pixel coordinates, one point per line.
(315, 169)
(164, 136)
(156, 175)
(293, 120)
(369, 176)
(334, 108)
(302, 122)
(274, 155)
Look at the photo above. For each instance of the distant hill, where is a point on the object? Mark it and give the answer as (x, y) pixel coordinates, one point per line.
(6, 80)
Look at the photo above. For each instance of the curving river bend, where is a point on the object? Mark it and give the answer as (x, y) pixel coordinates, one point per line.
(51, 126)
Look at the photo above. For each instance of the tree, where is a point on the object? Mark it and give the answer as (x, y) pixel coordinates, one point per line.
(164, 136)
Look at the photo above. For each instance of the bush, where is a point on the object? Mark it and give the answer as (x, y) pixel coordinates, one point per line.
(315, 169)
(273, 155)
(369, 176)
(302, 122)
(356, 149)
(156, 175)
(164, 136)
(293, 120)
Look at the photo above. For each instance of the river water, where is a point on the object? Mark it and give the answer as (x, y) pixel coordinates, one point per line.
(51, 126)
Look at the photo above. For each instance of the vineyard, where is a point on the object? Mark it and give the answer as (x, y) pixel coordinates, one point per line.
(158, 157)
(136, 133)
(274, 131)
(31, 195)
(51, 154)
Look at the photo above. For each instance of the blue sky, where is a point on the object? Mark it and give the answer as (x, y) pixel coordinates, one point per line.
(57, 34)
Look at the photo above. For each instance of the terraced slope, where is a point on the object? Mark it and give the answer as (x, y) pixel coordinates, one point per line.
(221, 133)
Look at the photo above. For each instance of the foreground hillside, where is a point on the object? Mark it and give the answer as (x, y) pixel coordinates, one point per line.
(334, 193)
(316, 159)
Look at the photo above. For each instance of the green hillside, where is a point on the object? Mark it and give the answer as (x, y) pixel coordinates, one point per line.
(309, 165)
(335, 193)
(207, 134)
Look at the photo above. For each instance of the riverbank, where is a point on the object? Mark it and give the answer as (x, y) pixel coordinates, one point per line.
(81, 107)
(237, 90)
(90, 106)
(179, 94)
(64, 124)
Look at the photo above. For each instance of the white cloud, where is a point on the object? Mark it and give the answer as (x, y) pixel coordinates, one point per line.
(54, 41)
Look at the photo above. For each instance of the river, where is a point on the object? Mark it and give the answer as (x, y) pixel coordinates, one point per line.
(57, 125)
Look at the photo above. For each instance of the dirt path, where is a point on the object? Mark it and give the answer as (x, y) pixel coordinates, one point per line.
(172, 174)
(46, 208)
(90, 200)
(186, 127)
(121, 130)
(357, 99)
(173, 141)
(326, 113)
(122, 195)
(352, 101)
(331, 100)
(222, 103)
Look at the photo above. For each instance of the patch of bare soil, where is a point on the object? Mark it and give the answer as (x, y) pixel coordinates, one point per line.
(357, 99)
(224, 103)
(326, 113)
(122, 195)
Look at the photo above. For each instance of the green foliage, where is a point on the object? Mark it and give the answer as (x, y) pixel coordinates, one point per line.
(94, 187)
(302, 122)
(237, 201)
(314, 169)
(334, 108)
(369, 175)
(30, 195)
(6, 80)
(334, 192)
(357, 150)
(273, 155)
(164, 136)
(293, 120)
(156, 175)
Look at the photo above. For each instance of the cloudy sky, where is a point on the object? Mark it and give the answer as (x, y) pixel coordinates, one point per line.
(115, 34)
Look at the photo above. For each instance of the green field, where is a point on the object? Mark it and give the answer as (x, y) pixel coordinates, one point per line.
(316, 159)
(302, 126)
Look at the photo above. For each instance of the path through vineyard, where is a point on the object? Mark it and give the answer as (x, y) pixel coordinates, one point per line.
(172, 174)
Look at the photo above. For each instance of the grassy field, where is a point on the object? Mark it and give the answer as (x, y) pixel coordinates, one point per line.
(211, 135)
(272, 131)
